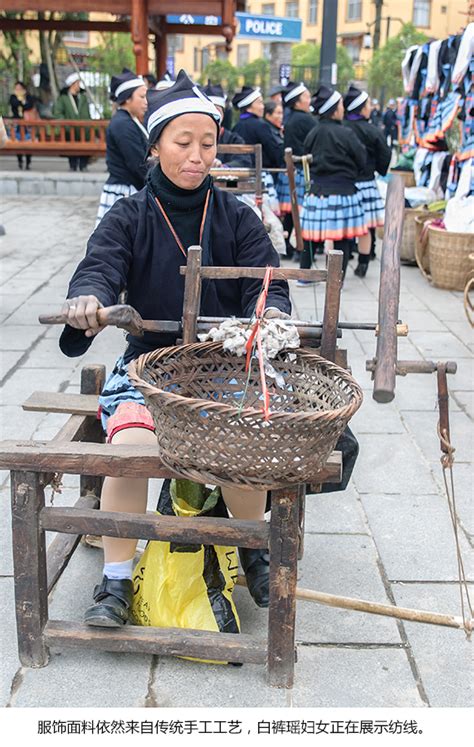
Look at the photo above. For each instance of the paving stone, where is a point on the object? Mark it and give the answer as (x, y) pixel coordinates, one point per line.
(226, 690)
(439, 345)
(443, 655)
(338, 512)
(423, 426)
(420, 392)
(466, 402)
(6, 561)
(464, 492)
(8, 360)
(9, 663)
(24, 382)
(344, 565)
(423, 321)
(353, 678)
(15, 423)
(415, 537)
(16, 337)
(373, 417)
(391, 464)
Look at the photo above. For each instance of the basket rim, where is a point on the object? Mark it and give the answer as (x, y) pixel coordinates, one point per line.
(449, 233)
(233, 410)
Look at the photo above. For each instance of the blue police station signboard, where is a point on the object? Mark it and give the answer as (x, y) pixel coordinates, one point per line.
(265, 28)
(269, 28)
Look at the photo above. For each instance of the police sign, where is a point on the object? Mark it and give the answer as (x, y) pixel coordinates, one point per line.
(269, 28)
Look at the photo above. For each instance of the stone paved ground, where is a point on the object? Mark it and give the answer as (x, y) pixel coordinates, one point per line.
(387, 538)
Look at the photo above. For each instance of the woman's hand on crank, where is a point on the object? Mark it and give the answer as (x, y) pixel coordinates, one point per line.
(81, 313)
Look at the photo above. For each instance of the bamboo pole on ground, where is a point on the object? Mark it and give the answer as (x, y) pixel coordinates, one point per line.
(374, 608)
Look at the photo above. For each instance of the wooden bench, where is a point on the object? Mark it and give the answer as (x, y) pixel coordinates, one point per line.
(55, 137)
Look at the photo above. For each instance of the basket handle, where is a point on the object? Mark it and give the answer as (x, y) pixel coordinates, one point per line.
(421, 247)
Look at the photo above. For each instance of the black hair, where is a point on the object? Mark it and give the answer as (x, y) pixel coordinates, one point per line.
(151, 79)
(270, 107)
(20, 83)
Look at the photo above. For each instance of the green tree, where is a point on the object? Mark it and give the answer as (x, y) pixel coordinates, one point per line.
(223, 72)
(306, 57)
(385, 71)
(256, 73)
(114, 53)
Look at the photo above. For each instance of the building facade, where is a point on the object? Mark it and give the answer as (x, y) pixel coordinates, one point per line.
(435, 18)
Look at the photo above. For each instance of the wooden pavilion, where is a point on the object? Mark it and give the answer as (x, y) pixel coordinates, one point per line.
(140, 17)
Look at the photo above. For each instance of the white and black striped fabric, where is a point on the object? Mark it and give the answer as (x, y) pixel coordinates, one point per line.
(372, 203)
(110, 194)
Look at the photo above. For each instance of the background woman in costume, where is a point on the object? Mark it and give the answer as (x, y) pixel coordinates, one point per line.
(72, 104)
(141, 244)
(253, 128)
(298, 123)
(333, 210)
(127, 141)
(273, 115)
(358, 111)
(20, 102)
(226, 137)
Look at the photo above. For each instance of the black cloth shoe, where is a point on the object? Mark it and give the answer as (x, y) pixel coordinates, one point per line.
(113, 599)
(256, 566)
(363, 266)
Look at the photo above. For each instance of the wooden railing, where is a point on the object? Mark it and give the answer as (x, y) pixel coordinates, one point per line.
(65, 137)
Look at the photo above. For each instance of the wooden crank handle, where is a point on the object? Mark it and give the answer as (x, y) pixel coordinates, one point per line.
(389, 293)
(120, 315)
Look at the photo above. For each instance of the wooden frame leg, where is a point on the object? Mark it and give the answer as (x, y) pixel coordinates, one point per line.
(92, 381)
(29, 560)
(284, 525)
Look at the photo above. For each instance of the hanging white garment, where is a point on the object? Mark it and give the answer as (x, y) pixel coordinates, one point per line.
(464, 55)
(432, 77)
(406, 66)
(414, 69)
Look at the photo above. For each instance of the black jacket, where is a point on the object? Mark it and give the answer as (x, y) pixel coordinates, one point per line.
(298, 125)
(133, 247)
(378, 152)
(126, 151)
(19, 107)
(338, 158)
(255, 130)
(236, 160)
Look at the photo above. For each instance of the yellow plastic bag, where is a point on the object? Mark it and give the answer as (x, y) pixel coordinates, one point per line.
(186, 586)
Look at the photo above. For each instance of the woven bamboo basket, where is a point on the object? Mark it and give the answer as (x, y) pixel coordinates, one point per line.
(422, 255)
(209, 420)
(408, 177)
(450, 264)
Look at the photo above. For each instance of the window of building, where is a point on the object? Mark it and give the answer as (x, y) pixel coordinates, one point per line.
(243, 54)
(268, 9)
(421, 12)
(291, 9)
(266, 50)
(196, 59)
(76, 36)
(175, 43)
(354, 10)
(353, 48)
(313, 11)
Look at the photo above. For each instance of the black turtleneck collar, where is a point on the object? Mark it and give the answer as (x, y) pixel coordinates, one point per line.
(174, 197)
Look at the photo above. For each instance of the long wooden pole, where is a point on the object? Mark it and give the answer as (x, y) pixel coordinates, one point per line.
(387, 610)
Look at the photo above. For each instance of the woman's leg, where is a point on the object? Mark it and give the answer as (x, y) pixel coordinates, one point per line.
(28, 162)
(364, 255)
(250, 505)
(20, 161)
(288, 227)
(113, 596)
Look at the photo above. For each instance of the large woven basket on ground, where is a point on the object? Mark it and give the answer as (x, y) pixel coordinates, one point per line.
(407, 246)
(422, 254)
(450, 263)
(207, 434)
